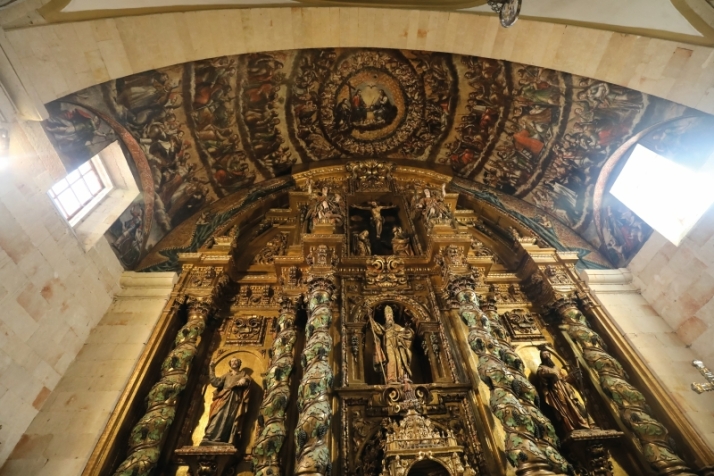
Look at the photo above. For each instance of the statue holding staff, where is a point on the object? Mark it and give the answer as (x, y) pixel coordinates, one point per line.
(392, 349)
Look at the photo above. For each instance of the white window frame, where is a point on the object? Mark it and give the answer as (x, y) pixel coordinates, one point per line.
(120, 190)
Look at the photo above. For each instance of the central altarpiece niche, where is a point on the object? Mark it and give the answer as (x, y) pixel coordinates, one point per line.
(382, 326)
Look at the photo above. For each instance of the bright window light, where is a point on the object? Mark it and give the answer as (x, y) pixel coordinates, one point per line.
(81, 190)
(668, 196)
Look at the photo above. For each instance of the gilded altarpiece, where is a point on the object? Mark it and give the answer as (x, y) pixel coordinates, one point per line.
(377, 324)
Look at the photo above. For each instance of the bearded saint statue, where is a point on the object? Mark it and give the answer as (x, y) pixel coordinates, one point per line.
(560, 395)
(392, 352)
(230, 403)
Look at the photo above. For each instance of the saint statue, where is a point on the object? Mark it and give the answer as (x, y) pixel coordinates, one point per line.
(400, 243)
(362, 244)
(377, 218)
(324, 208)
(560, 395)
(392, 353)
(230, 403)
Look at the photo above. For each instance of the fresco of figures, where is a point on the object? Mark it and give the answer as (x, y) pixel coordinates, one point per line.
(200, 131)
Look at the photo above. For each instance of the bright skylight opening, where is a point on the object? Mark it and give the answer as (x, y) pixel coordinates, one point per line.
(80, 190)
(668, 196)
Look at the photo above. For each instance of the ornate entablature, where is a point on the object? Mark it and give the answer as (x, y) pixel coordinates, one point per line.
(449, 342)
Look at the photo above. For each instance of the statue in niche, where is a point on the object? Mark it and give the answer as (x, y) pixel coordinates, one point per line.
(377, 219)
(559, 394)
(362, 244)
(432, 207)
(230, 403)
(325, 208)
(400, 243)
(392, 353)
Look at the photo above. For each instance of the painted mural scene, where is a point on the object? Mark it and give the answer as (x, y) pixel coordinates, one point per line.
(356, 238)
(207, 129)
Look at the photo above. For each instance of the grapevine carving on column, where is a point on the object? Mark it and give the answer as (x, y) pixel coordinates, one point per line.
(314, 407)
(531, 442)
(147, 436)
(654, 440)
(271, 420)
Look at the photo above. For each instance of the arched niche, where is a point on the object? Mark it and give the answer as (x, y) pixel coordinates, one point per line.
(428, 467)
(254, 364)
(408, 314)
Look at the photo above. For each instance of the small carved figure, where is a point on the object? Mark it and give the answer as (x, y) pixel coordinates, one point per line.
(325, 208)
(230, 402)
(392, 353)
(400, 243)
(560, 395)
(377, 218)
(362, 244)
(432, 208)
(468, 470)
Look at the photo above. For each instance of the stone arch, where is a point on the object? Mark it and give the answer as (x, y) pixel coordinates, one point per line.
(213, 33)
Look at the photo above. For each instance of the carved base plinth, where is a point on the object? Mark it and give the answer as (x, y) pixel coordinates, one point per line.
(442, 228)
(534, 469)
(323, 229)
(207, 460)
(591, 449)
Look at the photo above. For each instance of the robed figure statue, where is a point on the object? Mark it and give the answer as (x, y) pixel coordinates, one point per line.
(392, 348)
(560, 395)
(230, 403)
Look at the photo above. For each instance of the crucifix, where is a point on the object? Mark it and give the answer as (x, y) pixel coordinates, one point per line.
(377, 218)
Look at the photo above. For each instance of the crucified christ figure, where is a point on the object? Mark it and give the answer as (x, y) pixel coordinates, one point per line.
(377, 217)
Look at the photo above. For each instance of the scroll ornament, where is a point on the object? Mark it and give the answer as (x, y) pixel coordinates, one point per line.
(271, 419)
(313, 453)
(656, 444)
(531, 440)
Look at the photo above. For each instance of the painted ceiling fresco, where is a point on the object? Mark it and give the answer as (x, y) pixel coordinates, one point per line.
(201, 131)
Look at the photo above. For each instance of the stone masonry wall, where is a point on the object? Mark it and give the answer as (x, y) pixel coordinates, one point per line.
(660, 347)
(52, 293)
(63, 435)
(678, 282)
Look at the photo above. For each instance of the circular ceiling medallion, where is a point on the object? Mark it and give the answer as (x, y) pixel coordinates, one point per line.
(370, 103)
(509, 12)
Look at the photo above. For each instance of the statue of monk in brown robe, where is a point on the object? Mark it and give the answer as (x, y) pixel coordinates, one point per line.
(560, 395)
(230, 403)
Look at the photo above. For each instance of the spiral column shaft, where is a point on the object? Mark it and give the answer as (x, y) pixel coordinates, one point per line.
(271, 419)
(315, 414)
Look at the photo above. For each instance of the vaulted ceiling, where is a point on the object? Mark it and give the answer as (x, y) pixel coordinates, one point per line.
(204, 130)
(683, 20)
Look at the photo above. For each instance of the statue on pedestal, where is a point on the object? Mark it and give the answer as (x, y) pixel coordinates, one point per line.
(230, 403)
(392, 353)
(400, 243)
(362, 244)
(560, 395)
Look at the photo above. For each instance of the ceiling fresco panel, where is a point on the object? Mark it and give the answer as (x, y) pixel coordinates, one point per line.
(207, 129)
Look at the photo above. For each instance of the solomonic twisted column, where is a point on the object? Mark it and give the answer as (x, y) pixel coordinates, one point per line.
(271, 420)
(313, 453)
(531, 442)
(657, 446)
(148, 434)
